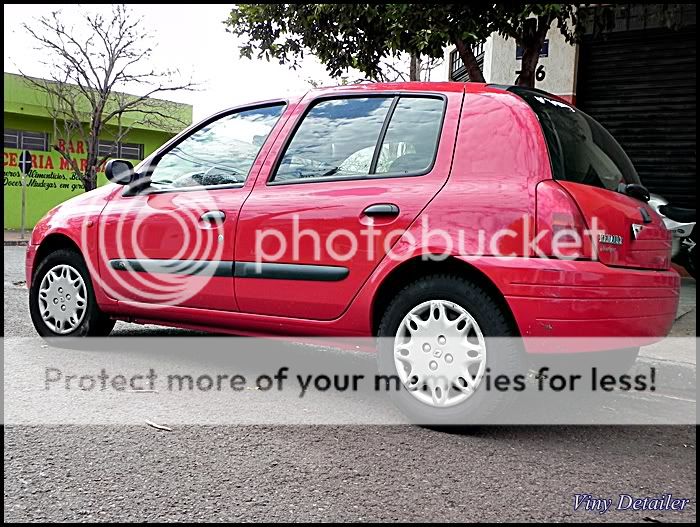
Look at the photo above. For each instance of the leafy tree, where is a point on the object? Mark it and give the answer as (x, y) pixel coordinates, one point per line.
(528, 25)
(360, 36)
(368, 36)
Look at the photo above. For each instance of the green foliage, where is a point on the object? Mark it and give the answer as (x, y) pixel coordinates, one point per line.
(520, 21)
(356, 36)
(362, 36)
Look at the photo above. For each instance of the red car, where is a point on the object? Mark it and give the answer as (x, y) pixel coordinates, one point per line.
(423, 212)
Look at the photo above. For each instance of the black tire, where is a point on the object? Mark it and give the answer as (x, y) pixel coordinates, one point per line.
(482, 406)
(94, 323)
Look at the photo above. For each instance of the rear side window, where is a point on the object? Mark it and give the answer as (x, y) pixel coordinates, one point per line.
(359, 137)
(580, 149)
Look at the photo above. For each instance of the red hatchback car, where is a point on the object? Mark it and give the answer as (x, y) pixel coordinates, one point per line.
(422, 212)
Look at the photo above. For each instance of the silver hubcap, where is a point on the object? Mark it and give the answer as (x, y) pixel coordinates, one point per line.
(62, 299)
(440, 353)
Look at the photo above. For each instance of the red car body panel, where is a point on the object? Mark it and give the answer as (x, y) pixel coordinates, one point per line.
(650, 249)
(491, 157)
(76, 221)
(327, 207)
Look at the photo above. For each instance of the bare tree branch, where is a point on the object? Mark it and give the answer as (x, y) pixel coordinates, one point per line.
(88, 74)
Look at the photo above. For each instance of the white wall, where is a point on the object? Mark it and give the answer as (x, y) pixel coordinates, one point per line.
(559, 66)
(500, 64)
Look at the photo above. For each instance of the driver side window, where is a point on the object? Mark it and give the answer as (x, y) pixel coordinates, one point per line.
(220, 153)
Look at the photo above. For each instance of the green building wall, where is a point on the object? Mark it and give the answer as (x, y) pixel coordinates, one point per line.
(48, 184)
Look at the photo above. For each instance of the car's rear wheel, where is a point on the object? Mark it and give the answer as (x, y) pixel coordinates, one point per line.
(62, 299)
(440, 336)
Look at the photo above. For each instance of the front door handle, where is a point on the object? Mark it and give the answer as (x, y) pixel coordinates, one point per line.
(381, 209)
(213, 216)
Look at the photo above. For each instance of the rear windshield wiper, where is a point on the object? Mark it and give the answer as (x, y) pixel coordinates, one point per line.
(634, 190)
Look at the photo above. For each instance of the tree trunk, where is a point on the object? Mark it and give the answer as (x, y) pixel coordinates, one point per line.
(531, 57)
(90, 179)
(469, 60)
(414, 73)
(90, 173)
(534, 35)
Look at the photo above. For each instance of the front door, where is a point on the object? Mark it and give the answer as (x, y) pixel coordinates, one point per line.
(172, 242)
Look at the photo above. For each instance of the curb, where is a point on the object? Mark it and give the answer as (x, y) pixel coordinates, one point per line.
(15, 243)
(672, 376)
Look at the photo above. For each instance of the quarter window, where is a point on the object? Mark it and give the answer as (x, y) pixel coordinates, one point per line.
(359, 137)
(412, 136)
(220, 153)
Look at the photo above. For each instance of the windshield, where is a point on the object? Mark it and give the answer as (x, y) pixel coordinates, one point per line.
(580, 149)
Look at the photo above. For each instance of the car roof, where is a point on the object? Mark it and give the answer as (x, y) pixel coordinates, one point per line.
(439, 87)
(476, 88)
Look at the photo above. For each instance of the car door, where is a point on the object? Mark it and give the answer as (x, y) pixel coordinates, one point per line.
(169, 239)
(345, 179)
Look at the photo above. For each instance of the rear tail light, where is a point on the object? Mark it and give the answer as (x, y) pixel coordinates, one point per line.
(561, 228)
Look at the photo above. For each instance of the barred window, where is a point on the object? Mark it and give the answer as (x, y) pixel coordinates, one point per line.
(35, 140)
(458, 71)
(12, 138)
(107, 148)
(131, 151)
(25, 140)
(120, 150)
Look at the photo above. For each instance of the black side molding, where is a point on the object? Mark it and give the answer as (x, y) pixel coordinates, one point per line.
(275, 271)
(282, 271)
(183, 267)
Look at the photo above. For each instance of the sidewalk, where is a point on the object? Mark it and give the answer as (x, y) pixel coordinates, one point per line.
(15, 237)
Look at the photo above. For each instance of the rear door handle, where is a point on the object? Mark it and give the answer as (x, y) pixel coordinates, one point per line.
(381, 209)
(213, 216)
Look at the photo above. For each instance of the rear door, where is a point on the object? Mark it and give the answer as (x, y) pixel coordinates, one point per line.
(344, 181)
(589, 163)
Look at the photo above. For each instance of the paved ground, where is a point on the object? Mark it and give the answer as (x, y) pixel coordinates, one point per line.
(16, 237)
(326, 473)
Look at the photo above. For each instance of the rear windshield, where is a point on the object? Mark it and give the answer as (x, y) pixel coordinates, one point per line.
(581, 150)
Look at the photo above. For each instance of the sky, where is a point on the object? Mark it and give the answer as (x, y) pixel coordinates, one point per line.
(190, 38)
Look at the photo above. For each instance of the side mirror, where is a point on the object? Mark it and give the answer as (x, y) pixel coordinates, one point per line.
(119, 171)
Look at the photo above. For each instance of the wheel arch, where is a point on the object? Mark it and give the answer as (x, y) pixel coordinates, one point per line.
(419, 266)
(51, 243)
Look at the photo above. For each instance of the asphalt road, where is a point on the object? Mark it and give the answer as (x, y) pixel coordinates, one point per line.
(330, 473)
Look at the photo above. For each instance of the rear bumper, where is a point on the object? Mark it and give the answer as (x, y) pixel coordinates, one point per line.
(554, 298)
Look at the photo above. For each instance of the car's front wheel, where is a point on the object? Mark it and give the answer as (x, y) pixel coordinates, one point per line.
(441, 336)
(62, 299)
